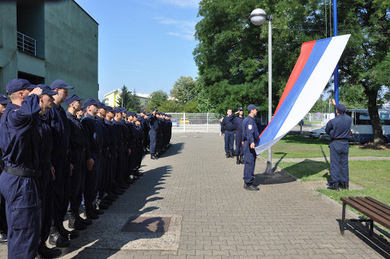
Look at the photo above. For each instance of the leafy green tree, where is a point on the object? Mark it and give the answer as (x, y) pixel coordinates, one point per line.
(157, 99)
(191, 106)
(184, 90)
(128, 100)
(171, 106)
(124, 97)
(232, 53)
(366, 61)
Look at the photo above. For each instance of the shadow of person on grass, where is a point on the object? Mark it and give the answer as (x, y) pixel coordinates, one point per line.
(108, 234)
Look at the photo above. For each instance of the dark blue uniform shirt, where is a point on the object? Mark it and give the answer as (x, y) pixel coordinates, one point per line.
(227, 124)
(154, 123)
(46, 144)
(94, 133)
(19, 137)
(237, 122)
(60, 127)
(249, 130)
(78, 139)
(339, 127)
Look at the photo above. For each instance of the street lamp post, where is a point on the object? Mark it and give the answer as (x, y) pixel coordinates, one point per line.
(258, 17)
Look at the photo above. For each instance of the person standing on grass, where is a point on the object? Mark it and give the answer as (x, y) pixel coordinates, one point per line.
(339, 130)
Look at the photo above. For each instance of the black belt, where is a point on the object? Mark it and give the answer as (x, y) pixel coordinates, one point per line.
(239, 130)
(19, 172)
(341, 139)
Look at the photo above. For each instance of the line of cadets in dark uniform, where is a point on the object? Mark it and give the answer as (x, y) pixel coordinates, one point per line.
(244, 131)
(52, 161)
(231, 128)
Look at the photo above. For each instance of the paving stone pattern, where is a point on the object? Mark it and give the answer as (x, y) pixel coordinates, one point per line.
(219, 219)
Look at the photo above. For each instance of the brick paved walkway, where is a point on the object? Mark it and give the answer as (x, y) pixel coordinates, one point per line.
(212, 215)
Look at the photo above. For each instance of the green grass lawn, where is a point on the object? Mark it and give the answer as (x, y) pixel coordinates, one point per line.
(374, 176)
(295, 146)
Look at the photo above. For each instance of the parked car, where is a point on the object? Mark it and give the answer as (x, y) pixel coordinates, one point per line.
(175, 123)
(187, 121)
(319, 133)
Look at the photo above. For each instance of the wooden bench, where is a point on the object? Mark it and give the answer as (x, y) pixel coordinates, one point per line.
(373, 209)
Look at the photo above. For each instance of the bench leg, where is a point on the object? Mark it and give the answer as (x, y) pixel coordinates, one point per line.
(371, 227)
(343, 219)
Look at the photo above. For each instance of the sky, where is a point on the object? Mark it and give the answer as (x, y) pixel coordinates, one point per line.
(146, 45)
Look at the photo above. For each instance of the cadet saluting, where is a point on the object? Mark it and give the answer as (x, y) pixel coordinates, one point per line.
(250, 136)
(19, 141)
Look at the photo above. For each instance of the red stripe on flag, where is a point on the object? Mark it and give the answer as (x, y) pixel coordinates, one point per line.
(306, 49)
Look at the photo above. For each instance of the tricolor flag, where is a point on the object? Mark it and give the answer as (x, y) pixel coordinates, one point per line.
(308, 79)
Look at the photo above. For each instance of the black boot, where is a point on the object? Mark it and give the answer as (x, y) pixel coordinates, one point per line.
(250, 187)
(74, 222)
(231, 153)
(334, 186)
(86, 222)
(56, 239)
(238, 160)
(344, 185)
(227, 154)
(90, 214)
(242, 159)
(3, 237)
(70, 234)
(45, 252)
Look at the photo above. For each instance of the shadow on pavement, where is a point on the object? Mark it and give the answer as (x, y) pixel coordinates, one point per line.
(126, 222)
(275, 178)
(173, 150)
(376, 242)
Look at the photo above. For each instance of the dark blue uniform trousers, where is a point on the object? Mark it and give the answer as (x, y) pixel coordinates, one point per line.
(45, 187)
(229, 141)
(153, 141)
(3, 217)
(249, 163)
(92, 181)
(61, 191)
(77, 181)
(104, 173)
(339, 170)
(239, 148)
(22, 209)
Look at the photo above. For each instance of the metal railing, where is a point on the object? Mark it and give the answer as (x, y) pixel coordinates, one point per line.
(27, 44)
(195, 122)
(209, 122)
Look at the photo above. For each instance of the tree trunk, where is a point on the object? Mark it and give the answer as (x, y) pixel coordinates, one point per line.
(377, 131)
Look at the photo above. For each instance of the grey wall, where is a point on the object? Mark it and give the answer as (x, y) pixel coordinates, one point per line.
(70, 45)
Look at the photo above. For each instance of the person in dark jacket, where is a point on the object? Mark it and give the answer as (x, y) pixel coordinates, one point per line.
(93, 155)
(250, 137)
(339, 130)
(237, 123)
(154, 125)
(228, 133)
(77, 159)
(47, 178)
(3, 219)
(20, 144)
(60, 157)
